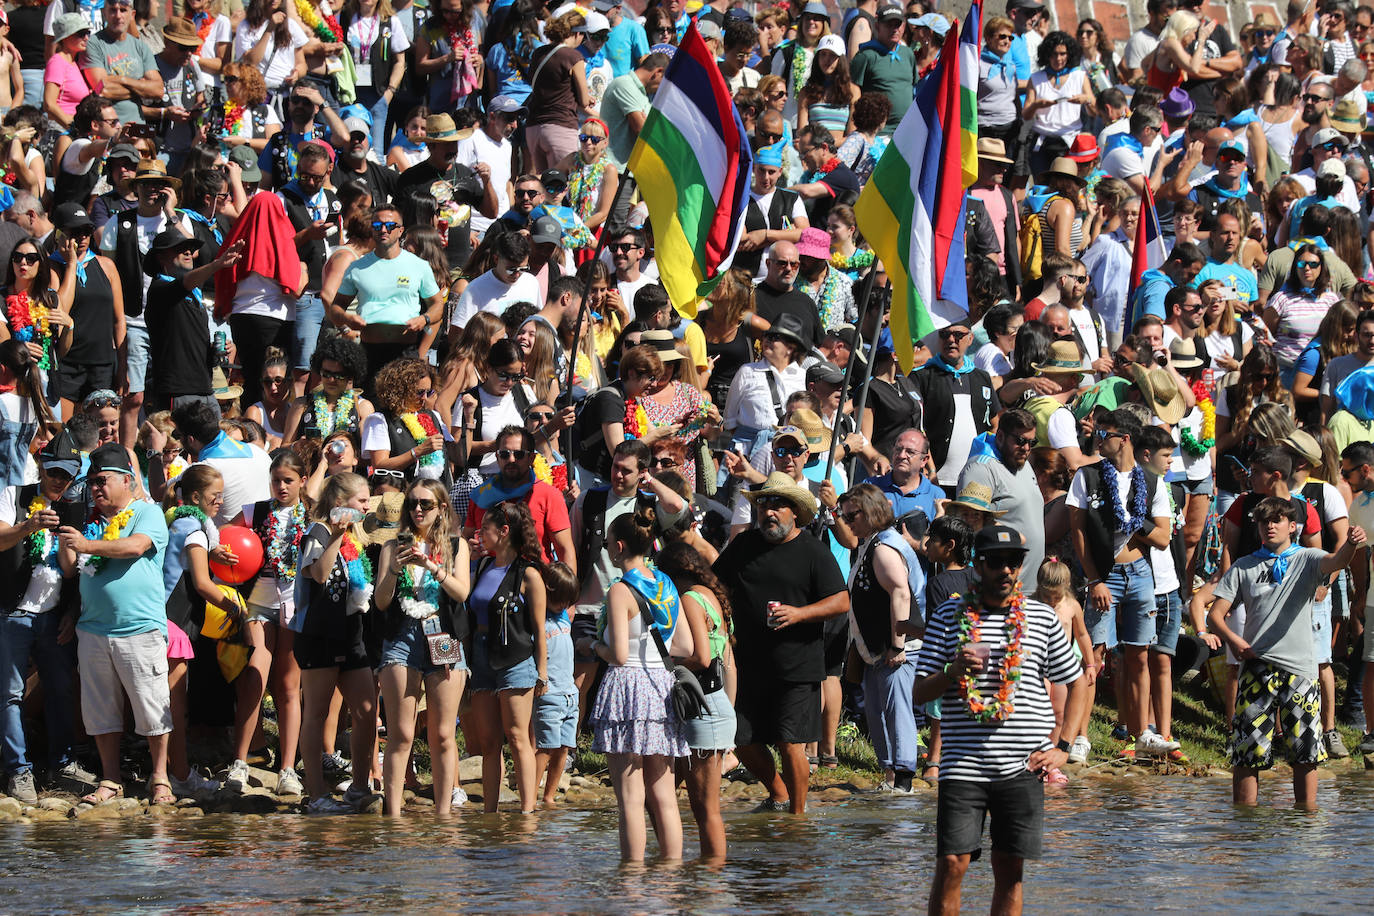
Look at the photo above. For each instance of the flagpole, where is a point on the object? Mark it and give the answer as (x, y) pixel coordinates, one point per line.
(866, 297)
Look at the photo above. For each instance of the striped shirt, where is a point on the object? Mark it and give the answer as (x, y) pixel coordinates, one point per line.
(989, 751)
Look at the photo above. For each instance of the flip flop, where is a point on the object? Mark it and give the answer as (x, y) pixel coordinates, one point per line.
(160, 792)
(830, 761)
(106, 785)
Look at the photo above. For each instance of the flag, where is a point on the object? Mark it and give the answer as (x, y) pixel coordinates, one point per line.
(912, 208)
(1148, 254)
(692, 163)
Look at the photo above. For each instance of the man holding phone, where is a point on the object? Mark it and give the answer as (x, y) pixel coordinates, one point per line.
(174, 113)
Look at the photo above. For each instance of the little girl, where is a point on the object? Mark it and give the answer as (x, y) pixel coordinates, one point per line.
(192, 539)
(556, 710)
(1053, 586)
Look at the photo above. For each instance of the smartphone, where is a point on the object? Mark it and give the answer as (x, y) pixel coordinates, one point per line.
(405, 540)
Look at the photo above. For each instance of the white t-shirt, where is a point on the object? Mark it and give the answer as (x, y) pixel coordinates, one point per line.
(277, 63)
(45, 585)
(148, 228)
(1123, 162)
(489, 294)
(1062, 430)
(376, 438)
(991, 360)
(1080, 498)
(498, 412)
(1138, 47)
(1183, 466)
(1093, 342)
(960, 440)
(482, 148)
(257, 295)
(221, 32)
(246, 481)
(628, 288)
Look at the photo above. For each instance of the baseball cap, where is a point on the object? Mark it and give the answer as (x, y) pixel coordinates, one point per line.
(61, 454)
(832, 43)
(546, 229)
(358, 126)
(997, 539)
(1231, 146)
(891, 11)
(72, 215)
(248, 163)
(829, 373)
(1332, 167)
(1024, 5)
(709, 29)
(125, 151)
(110, 457)
(505, 105)
(935, 22)
(1328, 134)
(594, 22)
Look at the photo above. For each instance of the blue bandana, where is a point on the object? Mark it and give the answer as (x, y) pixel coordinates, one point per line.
(206, 221)
(495, 491)
(1319, 242)
(1280, 560)
(661, 594)
(1000, 64)
(594, 60)
(1240, 192)
(964, 368)
(223, 447)
(81, 267)
(1126, 140)
(195, 292)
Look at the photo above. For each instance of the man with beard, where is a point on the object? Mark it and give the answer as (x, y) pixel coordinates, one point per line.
(995, 764)
(458, 188)
(353, 164)
(1224, 264)
(515, 457)
(829, 288)
(278, 159)
(783, 586)
(1003, 468)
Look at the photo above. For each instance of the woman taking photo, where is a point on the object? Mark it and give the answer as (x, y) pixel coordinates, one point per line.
(406, 434)
(633, 717)
(592, 177)
(1293, 314)
(420, 593)
(828, 95)
(336, 406)
(711, 735)
(446, 56)
(333, 591)
(1056, 99)
(1002, 323)
(509, 661)
(1226, 337)
(248, 119)
(499, 401)
(760, 389)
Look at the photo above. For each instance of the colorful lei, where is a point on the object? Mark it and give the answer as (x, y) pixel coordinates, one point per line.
(112, 531)
(284, 544)
(801, 68)
(409, 592)
(341, 410)
(421, 426)
(636, 419)
(1190, 443)
(1000, 707)
(860, 259)
(326, 29)
(830, 302)
(233, 117)
(554, 475)
(177, 512)
(41, 545)
(359, 569)
(584, 186)
(694, 421)
(29, 322)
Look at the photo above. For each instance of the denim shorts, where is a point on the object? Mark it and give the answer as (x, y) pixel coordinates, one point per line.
(555, 721)
(137, 361)
(520, 676)
(1203, 487)
(714, 729)
(1130, 620)
(410, 648)
(1168, 618)
(309, 318)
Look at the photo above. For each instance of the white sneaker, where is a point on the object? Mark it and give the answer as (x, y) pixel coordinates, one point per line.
(193, 785)
(1152, 745)
(236, 780)
(288, 783)
(1078, 753)
(328, 805)
(458, 797)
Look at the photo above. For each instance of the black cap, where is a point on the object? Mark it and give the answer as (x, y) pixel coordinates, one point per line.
(125, 151)
(789, 327)
(61, 453)
(1024, 5)
(998, 538)
(829, 373)
(891, 11)
(111, 457)
(167, 240)
(71, 215)
(554, 178)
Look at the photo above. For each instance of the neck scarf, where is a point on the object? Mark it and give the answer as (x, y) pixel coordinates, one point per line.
(213, 225)
(317, 203)
(1318, 241)
(1280, 560)
(1000, 64)
(495, 491)
(87, 258)
(964, 368)
(1238, 193)
(223, 447)
(662, 596)
(593, 60)
(1126, 140)
(1055, 74)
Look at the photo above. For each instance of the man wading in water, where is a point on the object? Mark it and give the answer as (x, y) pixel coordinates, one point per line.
(987, 657)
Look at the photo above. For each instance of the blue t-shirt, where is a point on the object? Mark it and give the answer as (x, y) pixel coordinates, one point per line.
(127, 597)
(389, 290)
(484, 590)
(923, 497)
(508, 79)
(628, 42)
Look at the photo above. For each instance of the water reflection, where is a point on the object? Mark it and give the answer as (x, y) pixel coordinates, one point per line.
(1167, 846)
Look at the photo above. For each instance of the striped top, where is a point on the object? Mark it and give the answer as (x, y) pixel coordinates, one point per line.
(985, 752)
(1047, 230)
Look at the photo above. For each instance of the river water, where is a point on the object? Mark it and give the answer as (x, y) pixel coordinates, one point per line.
(1126, 845)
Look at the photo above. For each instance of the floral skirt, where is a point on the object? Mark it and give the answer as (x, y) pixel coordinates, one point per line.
(633, 714)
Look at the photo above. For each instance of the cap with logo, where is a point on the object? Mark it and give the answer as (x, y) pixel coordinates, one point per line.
(71, 216)
(998, 539)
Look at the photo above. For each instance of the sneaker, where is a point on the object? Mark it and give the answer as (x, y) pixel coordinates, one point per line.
(236, 780)
(458, 797)
(1177, 756)
(288, 783)
(193, 785)
(1127, 754)
(1119, 733)
(769, 805)
(1335, 745)
(1152, 745)
(78, 773)
(355, 795)
(335, 763)
(328, 805)
(1078, 753)
(1367, 744)
(21, 786)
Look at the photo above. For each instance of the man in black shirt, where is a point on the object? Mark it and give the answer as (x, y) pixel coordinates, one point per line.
(353, 164)
(826, 181)
(783, 584)
(181, 353)
(775, 294)
(456, 187)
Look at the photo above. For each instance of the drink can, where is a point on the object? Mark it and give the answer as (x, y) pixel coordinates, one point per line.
(773, 606)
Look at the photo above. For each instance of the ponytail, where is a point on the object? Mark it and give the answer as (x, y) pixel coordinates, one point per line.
(16, 358)
(636, 530)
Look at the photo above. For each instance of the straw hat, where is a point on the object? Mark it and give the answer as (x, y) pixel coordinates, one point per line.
(155, 170)
(1302, 444)
(664, 344)
(1161, 395)
(779, 484)
(993, 150)
(1064, 359)
(976, 496)
(383, 522)
(1348, 116)
(223, 390)
(440, 127)
(818, 438)
(1184, 355)
(1062, 167)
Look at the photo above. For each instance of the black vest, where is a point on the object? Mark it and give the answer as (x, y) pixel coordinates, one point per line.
(14, 563)
(128, 261)
(312, 253)
(69, 187)
(1209, 205)
(453, 618)
(402, 441)
(508, 640)
(872, 605)
(380, 56)
(1099, 524)
(936, 387)
(754, 218)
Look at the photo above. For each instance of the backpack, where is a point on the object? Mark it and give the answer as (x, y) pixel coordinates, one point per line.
(1031, 241)
(593, 535)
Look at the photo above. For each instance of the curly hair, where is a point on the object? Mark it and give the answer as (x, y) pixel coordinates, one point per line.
(397, 383)
(1054, 40)
(339, 349)
(252, 87)
(515, 515)
(871, 112)
(87, 113)
(687, 568)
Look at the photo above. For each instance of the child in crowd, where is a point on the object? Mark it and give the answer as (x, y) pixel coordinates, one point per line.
(556, 709)
(1054, 586)
(948, 542)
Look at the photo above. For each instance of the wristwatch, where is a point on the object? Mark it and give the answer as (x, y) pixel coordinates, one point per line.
(1062, 745)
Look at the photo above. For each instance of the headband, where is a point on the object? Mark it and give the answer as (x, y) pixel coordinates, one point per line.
(600, 123)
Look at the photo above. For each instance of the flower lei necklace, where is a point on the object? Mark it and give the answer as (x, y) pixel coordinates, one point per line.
(41, 545)
(421, 426)
(194, 512)
(233, 117)
(341, 410)
(801, 66)
(1000, 707)
(359, 569)
(326, 29)
(1126, 524)
(112, 532)
(1190, 443)
(284, 543)
(859, 260)
(636, 419)
(828, 302)
(29, 322)
(418, 599)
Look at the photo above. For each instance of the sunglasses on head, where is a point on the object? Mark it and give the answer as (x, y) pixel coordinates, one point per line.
(515, 454)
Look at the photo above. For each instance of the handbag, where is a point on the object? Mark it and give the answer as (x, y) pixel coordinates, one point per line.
(689, 700)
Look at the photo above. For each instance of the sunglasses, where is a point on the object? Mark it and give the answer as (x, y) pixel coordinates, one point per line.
(1104, 434)
(1313, 97)
(1331, 146)
(1022, 441)
(424, 505)
(782, 263)
(622, 247)
(387, 226)
(1309, 265)
(509, 376)
(335, 376)
(512, 454)
(1232, 156)
(26, 257)
(789, 451)
(385, 472)
(1264, 33)
(539, 416)
(773, 503)
(769, 137)
(589, 138)
(665, 462)
(1347, 473)
(425, 392)
(273, 380)
(775, 97)
(953, 334)
(56, 474)
(851, 515)
(527, 192)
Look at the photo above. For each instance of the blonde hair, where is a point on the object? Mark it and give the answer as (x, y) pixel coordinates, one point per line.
(1053, 581)
(337, 490)
(1178, 25)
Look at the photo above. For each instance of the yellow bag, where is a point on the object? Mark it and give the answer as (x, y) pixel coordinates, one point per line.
(218, 624)
(232, 658)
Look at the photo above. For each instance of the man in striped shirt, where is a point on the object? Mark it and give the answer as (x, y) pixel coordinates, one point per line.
(996, 750)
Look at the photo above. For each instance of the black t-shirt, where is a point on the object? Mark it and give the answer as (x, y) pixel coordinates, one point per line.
(798, 572)
(461, 185)
(844, 189)
(607, 405)
(940, 587)
(178, 338)
(1219, 44)
(378, 179)
(769, 303)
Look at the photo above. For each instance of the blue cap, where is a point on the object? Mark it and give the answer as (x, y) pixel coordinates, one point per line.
(816, 9)
(935, 22)
(769, 155)
(1233, 146)
(668, 49)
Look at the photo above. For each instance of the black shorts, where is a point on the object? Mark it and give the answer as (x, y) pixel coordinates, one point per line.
(1017, 806)
(74, 381)
(777, 712)
(583, 625)
(346, 654)
(836, 645)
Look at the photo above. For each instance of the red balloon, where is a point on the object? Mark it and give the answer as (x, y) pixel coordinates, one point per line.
(247, 546)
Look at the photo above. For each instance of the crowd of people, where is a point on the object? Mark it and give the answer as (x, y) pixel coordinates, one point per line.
(375, 284)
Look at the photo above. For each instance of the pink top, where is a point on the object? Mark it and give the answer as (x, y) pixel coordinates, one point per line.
(71, 84)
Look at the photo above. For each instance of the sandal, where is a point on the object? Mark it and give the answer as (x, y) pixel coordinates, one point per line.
(830, 761)
(160, 792)
(115, 789)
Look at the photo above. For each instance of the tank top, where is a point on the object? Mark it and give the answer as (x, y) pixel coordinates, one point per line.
(1163, 80)
(1064, 119)
(267, 420)
(729, 357)
(1047, 230)
(551, 98)
(831, 117)
(1280, 136)
(643, 651)
(92, 317)
(717, 636)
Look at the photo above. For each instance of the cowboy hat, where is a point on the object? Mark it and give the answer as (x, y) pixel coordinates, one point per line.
(977, 496)
(1161, 395)
(1063, 167)
(789, 327)
(383, 522)
(818, 438)
(168, 240)
(223, 390)
(1302, 444)
(155, 170)
(181, 32)
(1184, 355)
(1064, 359)
(440, 127)
(779, 484)
(993, 150)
